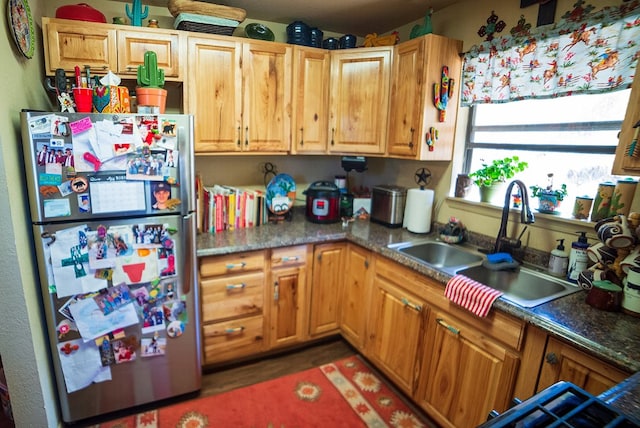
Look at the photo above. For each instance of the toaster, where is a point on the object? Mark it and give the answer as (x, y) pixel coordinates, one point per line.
(387, 205)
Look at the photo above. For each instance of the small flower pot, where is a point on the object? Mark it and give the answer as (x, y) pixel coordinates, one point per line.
(548, 203)
(152, 97)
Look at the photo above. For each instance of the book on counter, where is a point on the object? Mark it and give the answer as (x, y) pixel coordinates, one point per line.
(223, 207)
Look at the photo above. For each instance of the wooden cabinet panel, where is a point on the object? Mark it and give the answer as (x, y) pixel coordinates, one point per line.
(625, 163)
(563, 362)
(228, 340)
(287, 310)
(232, 263)
(357, 283)
(359, 100)
(395, 328)
(465, 375)
(288, 256)
(214, 93)
(132, 46)
(326, 288)
(232, 296)
(417, 66)
(69, 44)
(310, 100)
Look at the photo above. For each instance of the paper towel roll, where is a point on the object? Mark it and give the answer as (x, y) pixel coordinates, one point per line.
(417, 210)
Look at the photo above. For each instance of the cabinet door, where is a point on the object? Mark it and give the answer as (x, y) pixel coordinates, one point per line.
(267, 72)
(326, 287)
(395, 325)
(359, 101)
(310, 100)
(358, 276)
(464, 374)
(563, 362)
(71, 43)
(417, 66)
(286, 318)
(625, 162)
(214, 93)
(132, 46)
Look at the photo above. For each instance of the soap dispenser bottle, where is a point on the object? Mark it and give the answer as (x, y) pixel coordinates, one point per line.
(578, 258)
(559, 260)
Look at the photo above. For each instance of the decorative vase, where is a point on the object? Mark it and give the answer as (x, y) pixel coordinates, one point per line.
(493, 194)
(152, 97)
(548, 203)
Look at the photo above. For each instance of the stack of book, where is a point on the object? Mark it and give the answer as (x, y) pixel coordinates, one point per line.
(222, 207)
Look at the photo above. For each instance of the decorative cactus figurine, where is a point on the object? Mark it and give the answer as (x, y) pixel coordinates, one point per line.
(149, 74)
(442, 91)
(135, 14)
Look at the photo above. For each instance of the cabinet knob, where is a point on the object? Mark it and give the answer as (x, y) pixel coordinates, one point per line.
(551, 358)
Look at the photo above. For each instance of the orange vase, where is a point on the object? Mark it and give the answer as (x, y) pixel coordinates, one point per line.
(154, 97)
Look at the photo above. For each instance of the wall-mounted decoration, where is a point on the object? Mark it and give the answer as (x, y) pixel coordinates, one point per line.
(523, 28)
(22, 28)
(579, 12)
(493, 26)
(546, 11)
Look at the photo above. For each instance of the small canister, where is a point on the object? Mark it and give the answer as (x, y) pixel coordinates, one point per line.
(602, 201)
(622, 197)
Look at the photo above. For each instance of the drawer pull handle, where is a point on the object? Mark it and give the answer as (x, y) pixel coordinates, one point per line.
(234, 330)
(412, 305)
(451, 328)
(551, 358)
(235, 265)
(231, 287)
(286, 259)
(276, 291)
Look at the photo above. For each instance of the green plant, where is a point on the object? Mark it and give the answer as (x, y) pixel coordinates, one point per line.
(559, 194)
(149, 75)
(548, 190)
(499, 170)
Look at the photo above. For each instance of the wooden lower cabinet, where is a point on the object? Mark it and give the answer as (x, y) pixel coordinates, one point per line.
(287, 294)
(564, 362)
(355, 303)
(395, 327)
(464, 375)
(326, 289)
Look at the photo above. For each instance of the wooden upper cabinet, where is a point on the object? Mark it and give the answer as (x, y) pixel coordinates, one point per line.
(70, 43)
(417, 66)
(132, 46)
(627, 160)
(214, 93)
(359, 100)
(267, 74)
(241, 95)
(105, 47)
(310, 100)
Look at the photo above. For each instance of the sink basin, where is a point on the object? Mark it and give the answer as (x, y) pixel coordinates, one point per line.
(522, 286)
(440, 255)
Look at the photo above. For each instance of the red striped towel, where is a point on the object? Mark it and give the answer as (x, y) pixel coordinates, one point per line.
(471, 294)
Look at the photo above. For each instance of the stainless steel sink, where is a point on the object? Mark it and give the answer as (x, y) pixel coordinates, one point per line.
(523, 286)
(440, 255)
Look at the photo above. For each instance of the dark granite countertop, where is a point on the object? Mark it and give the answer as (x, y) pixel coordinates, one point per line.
(612, 337)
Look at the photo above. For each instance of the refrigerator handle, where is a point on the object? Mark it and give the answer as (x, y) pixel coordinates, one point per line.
(189, 233)
(187, 165)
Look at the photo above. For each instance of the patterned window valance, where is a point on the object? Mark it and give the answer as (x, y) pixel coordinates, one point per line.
(596, 53)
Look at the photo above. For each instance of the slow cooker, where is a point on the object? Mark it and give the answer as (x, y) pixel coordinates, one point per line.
(323, 202)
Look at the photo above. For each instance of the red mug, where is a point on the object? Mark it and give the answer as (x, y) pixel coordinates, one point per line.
(83, 98)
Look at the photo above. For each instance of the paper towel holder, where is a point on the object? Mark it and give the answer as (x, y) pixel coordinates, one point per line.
(422, 177)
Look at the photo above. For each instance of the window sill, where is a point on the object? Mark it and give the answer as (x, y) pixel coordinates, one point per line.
(557, 223)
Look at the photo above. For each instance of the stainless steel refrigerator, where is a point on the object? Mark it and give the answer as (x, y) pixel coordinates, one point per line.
(112, 204)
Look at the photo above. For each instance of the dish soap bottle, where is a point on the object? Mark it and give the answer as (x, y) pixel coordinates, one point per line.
(578, 258)
(559, 260)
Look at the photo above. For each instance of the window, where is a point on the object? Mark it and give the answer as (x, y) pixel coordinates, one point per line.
(573, 137)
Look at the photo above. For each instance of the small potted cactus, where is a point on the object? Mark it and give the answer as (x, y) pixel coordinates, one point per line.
(150, 92)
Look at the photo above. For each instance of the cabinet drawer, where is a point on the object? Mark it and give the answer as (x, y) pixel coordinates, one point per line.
(232, 263)
(225, 341)
(232, 296)
(288, 256)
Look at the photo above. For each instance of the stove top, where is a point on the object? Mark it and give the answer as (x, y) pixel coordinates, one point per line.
(562, 405)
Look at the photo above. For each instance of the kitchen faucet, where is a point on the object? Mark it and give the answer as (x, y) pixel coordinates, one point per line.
(504, 244)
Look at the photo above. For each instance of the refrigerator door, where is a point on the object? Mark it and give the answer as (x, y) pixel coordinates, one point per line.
(147, 266)
(86, 166)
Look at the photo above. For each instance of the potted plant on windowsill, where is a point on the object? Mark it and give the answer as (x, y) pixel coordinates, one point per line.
(150, 92)
(491, 178)
(549, 198)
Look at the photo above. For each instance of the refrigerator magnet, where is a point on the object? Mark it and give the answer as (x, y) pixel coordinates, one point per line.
(84, 203)
(79, 184)
(175, 329)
